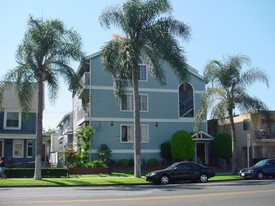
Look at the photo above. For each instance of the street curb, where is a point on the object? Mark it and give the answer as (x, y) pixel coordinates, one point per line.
(96, 185)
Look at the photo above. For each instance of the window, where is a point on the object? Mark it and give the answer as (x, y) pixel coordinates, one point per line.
(12, 120)
(142, 73)
(17, 148)
(186, 103)
(127, 133)
(272, 126)
(246, 125)
(142, 70)
(184, 166)
(29, 148)
(127, 103)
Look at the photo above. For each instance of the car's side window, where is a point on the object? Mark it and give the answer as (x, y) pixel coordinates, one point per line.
(194, 166)
(272, 163)
(183, 167)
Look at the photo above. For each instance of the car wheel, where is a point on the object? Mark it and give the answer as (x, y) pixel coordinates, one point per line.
(203, 178)
(164, 179)
(260, 175)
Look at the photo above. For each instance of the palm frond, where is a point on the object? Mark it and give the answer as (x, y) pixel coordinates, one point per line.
(112, 62)
(247, 103)
(111, 15)
(212, 70)
(253, 75)
(152, 60)
(71, 78)
(152, 9)
(166, 47)
(174, 27)
(23, 80)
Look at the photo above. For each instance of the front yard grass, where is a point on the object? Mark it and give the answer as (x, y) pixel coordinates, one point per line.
(93, 179)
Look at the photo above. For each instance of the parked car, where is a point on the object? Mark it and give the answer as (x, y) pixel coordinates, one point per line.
(181, 171)
(263, 168)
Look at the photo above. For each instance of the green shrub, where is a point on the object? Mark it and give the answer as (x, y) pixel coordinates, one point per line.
(153, 162)
(165, 150)
(76, 165)
(182, 145)
(68, 156)
(123, 162)
(29, 172)
(222, 145)
(54, 172)
(104, 153)
(95, 164)
(131, 162)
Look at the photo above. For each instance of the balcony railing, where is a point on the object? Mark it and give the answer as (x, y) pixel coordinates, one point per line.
(263, 134)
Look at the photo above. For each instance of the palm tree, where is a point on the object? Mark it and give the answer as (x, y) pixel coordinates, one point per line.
(42, 57)
(149, 36)
(227, 91)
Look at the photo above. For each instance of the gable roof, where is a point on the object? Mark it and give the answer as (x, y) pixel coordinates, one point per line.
(85, 62)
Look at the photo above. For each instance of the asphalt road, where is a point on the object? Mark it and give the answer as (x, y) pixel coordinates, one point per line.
(244, 192)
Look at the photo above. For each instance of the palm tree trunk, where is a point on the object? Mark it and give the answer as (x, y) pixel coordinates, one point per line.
(234, 145)
(39, 140)
(137, 129)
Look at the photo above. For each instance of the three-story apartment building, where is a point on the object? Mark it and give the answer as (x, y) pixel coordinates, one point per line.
(164, 110)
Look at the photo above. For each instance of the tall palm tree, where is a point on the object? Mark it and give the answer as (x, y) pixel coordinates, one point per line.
(227, 91)
(146, 35)
(42, 57)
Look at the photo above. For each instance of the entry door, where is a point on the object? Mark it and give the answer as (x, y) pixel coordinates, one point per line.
(200, 147)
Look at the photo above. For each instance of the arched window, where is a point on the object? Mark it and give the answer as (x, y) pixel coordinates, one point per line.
(186, 101)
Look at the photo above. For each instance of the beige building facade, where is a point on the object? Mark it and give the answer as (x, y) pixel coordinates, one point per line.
(255, 133)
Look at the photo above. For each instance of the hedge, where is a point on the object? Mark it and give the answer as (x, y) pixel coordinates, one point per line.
(29, 172)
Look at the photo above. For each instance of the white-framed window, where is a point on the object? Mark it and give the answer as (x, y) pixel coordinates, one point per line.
(12, 120)
(127, 103)
(18, 146)
(143, 71)
(127, 133)
(29, 148)
(186, 101)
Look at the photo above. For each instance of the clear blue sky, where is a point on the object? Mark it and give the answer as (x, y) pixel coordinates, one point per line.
(219, 28)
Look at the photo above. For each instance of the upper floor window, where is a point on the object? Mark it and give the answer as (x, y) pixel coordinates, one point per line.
(246, 125)
(143, 74)
(12, 120)
(127, 102)
(127, 133)
(268, 125)
(186, 102)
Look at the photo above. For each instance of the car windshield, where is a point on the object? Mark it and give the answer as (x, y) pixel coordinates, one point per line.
(261, 163)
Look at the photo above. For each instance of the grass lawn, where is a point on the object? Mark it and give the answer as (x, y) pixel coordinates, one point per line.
(113, 178)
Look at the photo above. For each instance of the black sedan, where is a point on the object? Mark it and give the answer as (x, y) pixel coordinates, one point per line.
(181, 171)
(264, 168)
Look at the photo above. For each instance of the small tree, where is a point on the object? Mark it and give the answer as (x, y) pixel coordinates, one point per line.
(84, 142)
(182, 145)
(68, 155)
(165, 150)
(222, 145)
(104, 153)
